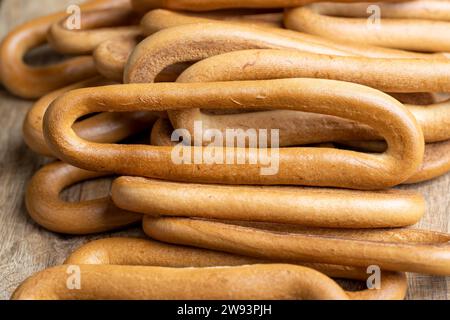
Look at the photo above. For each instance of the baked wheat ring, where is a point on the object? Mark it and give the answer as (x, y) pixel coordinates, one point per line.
(313, 207)
(254, 282)
(33, 82)
(208, 5)
(97, 26)
(331, 208)
(48, 210)
(406, 250)
(413, 9)
(297, 166)
(407, 34)
(145, 252)
(202, 40)
(111, 56)
(162, 19)
(296, 128)
(105, 127)
(436, 160)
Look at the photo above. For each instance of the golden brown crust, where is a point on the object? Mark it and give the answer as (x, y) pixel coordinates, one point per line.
(436, 160)
(391, 249)
(202, 40)
(105, 127)
(159, 19)
(260, 282)
(207, 5)
(398, 75)
(48, 210)
(111, 57)
(314, 167)
(407, 34)
(330, 208)
(33, 82)
(97, 26)
(414, 9)
(144, 252)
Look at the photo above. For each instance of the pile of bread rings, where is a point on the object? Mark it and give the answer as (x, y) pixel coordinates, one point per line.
(360, 109)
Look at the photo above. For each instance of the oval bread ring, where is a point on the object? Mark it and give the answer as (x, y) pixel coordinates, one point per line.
(162, 19)
(166, 47)
(146, 252)
(251, 282)
(313, 207)
(407, 34)
(202, 40)
(390, 75)
(111, 56)
(97, 26)
(48, 210)
(413, 9)
(405, 250)
(300, 166)
(436, 160)
(104, 127)
(33, 82)
(208, 5)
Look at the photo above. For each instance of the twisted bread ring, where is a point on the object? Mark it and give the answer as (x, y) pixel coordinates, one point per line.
(396, 250)
(98, 26)
(329, 208)
(144, 252)
(259, 282)
(33, 82)
(208, 5)
(300, 166)
(407, 34)
(398, 75)
(49, 211)
(105, 127)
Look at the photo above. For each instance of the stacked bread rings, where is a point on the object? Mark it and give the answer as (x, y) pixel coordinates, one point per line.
(354, 120)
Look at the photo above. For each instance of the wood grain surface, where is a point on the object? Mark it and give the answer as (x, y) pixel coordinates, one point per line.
(25, 248)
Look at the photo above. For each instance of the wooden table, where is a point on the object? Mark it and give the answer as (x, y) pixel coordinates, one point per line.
(25, 248)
